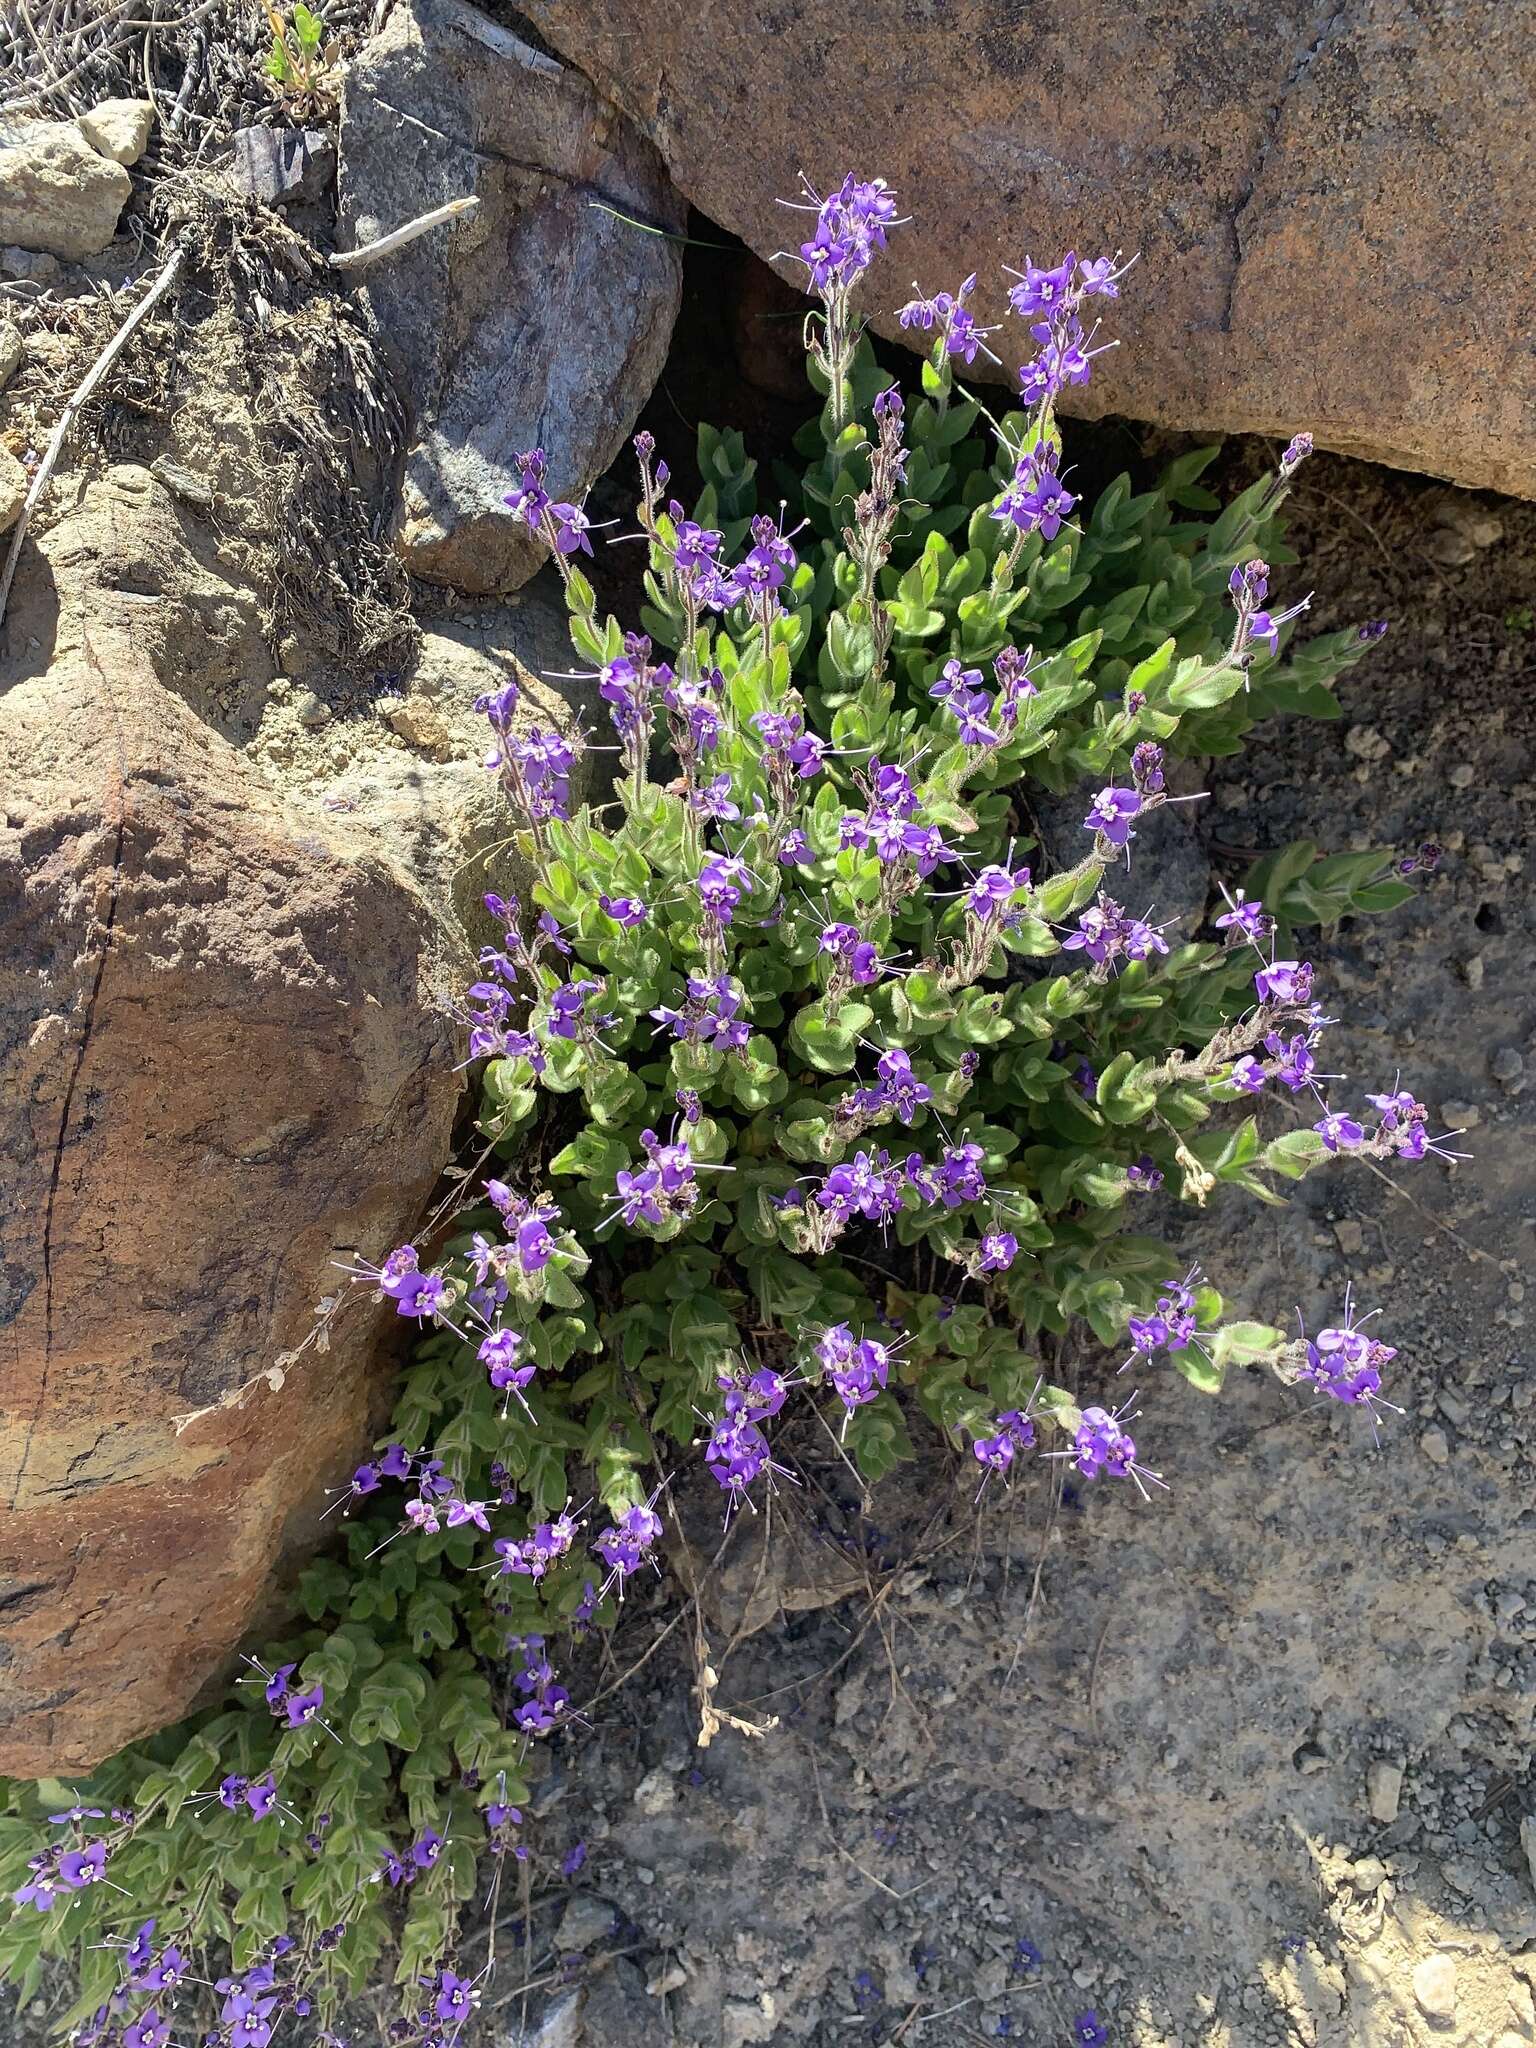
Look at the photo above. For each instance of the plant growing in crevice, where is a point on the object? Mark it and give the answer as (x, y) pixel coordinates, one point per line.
(812, 1084)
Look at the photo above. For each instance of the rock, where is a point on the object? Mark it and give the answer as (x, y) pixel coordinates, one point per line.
(1434, 1987)
(26, 266)
(559, 2026)
(587, 1920)
(1461, 1116)
(222, 1062)
(1528, 1842)
(1292, 194)
(1506, 1064)
(1384, 1790)
(12, 349)
(13, 489)
(119, 129)
(655, 1794)
(283, 166)
(540, 320)
(1434, 1446)
(56, 194)
(1349, 1236)
(1475, 523)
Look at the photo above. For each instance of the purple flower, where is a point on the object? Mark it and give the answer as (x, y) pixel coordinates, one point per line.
(1247, 1074)
(80, 1867)
(1339, 1133)
(456, 1997)
(426, 1849)
(1089, 2031)
(1111, 813)
(1245, 920)
(571, 529)
(722, 882)
(1040, 291)
(1145, 1177)
(998, 1250)
(261, 1795)
(627, 911)
(1284, 981)
(301, 1707)
(850, 227)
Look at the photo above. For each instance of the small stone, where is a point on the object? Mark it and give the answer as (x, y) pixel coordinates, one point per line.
(1367, 743)
(1434, 1987)
(1434, 1446)
(1369, 1874)
(587, 1920)
(13, 489)
(1351, 1238)
(1473, 970)
(1450, 549)
(655, 1794)
(1506, 1064)
(1462, 776)
(119, 129)
(29, 266)
(1473, 522)
(309, 710)
(1528, 1843)
(1384, 1790)
(1461, 1116)
(12, 349)
(282, 166)
(559, 2026)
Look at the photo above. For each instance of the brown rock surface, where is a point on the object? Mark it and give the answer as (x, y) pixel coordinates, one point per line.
(220, 1068)
(1332, 203)
(542, 319)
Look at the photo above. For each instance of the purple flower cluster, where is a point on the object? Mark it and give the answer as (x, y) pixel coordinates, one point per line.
(293, 1709)
(712, 1014)
(851, 226)
(890, 828)
(399, 1871)
(1101, 1444)
(544, 1545)
(737, 1451)
(60, 1870)
(627, 1544)
(1172, 1325)
(957, 331)
(1108, 936)
(896, 1090)
(1052, 301)
(663, 1188)
(544, 1700)
(1013, 1433)
(856, 1368)
(1248, 587)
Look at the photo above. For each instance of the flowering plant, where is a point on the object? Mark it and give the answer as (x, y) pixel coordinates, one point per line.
(811, 1083)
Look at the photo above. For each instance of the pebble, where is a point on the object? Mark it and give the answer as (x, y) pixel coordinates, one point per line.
(587, 1920)
(1461, 1116)
(1351, 1237)
(308, 709)
(655, 1794)
(1434, 1987)
(1506, 1064)
(1384, 1790)
(1462, 776)
(1434, 1446)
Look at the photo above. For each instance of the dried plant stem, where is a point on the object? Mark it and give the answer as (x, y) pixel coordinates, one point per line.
(354, 259)
(93, 377)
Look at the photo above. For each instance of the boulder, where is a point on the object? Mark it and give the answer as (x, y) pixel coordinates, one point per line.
(57, 195)
(1331, 204)
(543, 318)
(224, 1065)
(119, 129)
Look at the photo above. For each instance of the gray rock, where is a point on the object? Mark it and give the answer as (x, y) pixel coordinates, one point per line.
(13, 489)
(543, 319)
(56, 194)
(1528, 1842)
(1384, 1790)
(586, 1921)
(558, 2026)
(12, 349)
(119, 129)
(283, 166)
(30, 266)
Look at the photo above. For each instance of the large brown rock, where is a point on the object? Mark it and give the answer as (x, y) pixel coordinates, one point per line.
(1332, 203)
(545, 317)
(221, 1068)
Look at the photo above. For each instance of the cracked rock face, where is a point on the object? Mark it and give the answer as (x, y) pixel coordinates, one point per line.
(221, 1067)
(542, 319)
(1331, 203)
